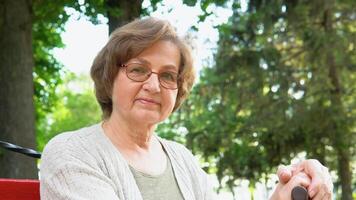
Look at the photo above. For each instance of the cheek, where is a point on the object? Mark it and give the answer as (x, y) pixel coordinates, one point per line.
(121, 93)
(173, 99)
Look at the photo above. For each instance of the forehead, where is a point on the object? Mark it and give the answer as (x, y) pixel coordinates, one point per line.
(162, 54)
(148, 64)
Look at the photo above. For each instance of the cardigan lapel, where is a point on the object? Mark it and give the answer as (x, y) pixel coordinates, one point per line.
(180, 171)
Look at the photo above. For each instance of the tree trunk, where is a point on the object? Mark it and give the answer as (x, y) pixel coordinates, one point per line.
(16, 88)
(128, 11)
(341, 140)
(345, 174)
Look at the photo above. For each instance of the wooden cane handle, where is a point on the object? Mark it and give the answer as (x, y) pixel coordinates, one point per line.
(299, 193)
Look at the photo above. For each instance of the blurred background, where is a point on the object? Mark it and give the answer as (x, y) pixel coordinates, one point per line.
(276, 83)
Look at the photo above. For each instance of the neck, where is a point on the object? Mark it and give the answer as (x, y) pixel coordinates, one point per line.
(129, 136)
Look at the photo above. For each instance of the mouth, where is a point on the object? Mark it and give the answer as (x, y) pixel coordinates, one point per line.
(148, 101)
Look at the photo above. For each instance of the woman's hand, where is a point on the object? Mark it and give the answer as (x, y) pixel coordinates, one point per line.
(283, 191)
(321, 185)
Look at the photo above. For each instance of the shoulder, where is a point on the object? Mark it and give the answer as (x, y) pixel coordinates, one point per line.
(70, 147)
(70, 140)
(80, 165)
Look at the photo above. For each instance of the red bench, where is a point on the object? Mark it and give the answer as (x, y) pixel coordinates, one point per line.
(19, 189)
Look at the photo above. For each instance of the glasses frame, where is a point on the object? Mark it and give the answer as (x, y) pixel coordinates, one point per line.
(151, 72)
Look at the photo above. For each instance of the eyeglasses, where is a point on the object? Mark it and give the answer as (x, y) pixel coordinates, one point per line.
(140, 73)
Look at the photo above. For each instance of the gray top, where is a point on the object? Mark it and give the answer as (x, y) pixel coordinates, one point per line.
(84, 164)
(158, 187)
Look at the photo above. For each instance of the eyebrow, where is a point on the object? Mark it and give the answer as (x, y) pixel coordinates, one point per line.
(144, 61)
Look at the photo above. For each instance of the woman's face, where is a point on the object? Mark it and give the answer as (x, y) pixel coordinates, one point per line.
(147, 101)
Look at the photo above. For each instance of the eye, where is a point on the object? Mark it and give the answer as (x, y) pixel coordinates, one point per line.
(169, 76)
(137, 69)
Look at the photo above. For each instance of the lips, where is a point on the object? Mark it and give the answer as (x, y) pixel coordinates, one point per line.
(148, 101)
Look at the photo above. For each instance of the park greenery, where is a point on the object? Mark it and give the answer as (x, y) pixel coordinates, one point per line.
(282, 83)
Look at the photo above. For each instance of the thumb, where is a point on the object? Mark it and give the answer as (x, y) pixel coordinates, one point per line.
(313, 187)
(284, 173)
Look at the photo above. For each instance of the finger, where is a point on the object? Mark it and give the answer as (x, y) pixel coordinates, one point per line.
(300, 179)
(320, 191)
(284, 173)
(311, 167)
(325, 192)
(315, 170)
(305, 179)
(329, 181)
(297, 167)
(327, 196)
(319, 196)
(313, 189)
(283, 191)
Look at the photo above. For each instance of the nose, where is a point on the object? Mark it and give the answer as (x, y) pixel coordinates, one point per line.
(152, 83)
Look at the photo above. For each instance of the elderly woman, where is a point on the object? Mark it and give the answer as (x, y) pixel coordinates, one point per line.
(141, 76)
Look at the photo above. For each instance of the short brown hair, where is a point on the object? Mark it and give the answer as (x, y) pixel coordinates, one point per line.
(129, 41)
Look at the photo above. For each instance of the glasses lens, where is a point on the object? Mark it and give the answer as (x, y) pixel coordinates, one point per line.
(140, 73)
(137, 72)
(168, 79)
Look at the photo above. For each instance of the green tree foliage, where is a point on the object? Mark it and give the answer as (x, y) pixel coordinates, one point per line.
(49, 18)
(283, 83)
(75, 108)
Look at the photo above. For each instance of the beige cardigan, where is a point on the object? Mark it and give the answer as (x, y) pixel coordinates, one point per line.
(84, 164)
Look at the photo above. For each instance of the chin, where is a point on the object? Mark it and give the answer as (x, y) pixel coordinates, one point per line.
(149, 117)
